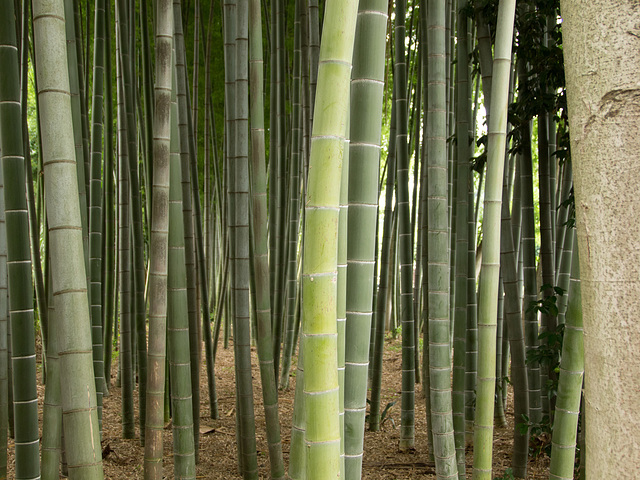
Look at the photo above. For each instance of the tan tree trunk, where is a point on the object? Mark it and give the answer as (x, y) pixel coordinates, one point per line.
(602, 62)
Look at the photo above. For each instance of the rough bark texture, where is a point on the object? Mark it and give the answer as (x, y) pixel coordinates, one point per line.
(602, 67)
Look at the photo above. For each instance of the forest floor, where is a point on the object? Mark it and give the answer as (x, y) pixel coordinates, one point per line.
(123, 459)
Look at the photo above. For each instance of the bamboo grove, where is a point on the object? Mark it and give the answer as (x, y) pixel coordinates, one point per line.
(306, 177)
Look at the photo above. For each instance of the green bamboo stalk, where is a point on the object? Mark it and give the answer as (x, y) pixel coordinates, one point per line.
(229, 38)
(471, 359)
(513, 323)
(52, 411)
(260, 249)
(319, 277)
(34, 221)
(196, 68)
(564, 274)
(502, 330)
(274, 20)
(341, 300)
(405, 250)
(547, 249)
(386, 264)
(297, 454)
(75, 62)
(562, 213)
(364, 153)
(147, 97)
(186, 151)
(437, 243)
(192, 179)
(95, 212)
(158, 252)
(126, 34)
(417, 210)
(78, 395)
(294, 201)
(278, 184)
(83, 67)
(529, 258)
(109, 257)
(124, 252)
(4, 326)
(27, 464)
(565, 424)
(209, 225)
(177, 321)
(314, 52)
(483, 428)
(463, 111)
(138, 261)
(239, 236)
(306, 96)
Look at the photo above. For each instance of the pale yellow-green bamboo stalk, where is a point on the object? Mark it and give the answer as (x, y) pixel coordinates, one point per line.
(488, 290)
(319, 275)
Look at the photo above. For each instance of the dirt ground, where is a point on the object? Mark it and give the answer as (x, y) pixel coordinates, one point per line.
(123, 459)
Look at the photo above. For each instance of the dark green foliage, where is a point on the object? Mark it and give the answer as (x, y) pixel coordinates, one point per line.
(507, 475)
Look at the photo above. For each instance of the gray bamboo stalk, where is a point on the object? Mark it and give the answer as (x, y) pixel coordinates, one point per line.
(158, 251)
(79, 409)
